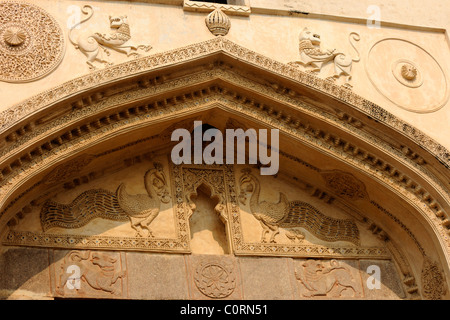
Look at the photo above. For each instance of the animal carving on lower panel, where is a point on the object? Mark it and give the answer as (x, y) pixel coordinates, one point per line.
(293, 214)
(139, 209)
(99, 270)
(321, 280)
(93, 46)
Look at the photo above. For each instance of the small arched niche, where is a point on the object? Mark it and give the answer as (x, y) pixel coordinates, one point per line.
(208, 234)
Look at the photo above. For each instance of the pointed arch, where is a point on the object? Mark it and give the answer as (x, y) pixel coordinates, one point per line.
(324, 128)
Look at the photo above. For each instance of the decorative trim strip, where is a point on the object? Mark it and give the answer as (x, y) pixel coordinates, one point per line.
(34, 239)
(198, 6)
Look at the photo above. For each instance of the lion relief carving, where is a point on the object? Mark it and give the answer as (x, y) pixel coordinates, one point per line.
(313, 58)
(96, 270)
(326, 279)
(95, 45)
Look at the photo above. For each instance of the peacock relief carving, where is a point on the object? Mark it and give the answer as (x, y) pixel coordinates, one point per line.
(291, 215)
(140, 209)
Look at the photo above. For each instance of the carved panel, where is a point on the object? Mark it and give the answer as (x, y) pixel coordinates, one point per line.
(314, 58)
(328, 278)
(434, 285)
(96, 46)
(100, 218)
(68, 170)
(31, 42)
(78, 274)
(214, 277)
(345, 185)
(140, 209)
(294, 214)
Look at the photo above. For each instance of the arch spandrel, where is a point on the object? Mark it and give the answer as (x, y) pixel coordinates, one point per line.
(338, 160)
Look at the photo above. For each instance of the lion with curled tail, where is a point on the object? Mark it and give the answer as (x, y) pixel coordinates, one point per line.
(96, 45)
(311, 55)
(97, 270)
(320, 280)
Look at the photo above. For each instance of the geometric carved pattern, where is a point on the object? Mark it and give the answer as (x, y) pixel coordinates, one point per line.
(433, 282)
(31, 42)
(69, 169)
(345, 185)
(215, 278)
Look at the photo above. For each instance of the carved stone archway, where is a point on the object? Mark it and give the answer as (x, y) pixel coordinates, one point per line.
(334, 144)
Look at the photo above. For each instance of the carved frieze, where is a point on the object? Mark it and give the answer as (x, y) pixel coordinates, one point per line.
(132, 213)
(31, 42)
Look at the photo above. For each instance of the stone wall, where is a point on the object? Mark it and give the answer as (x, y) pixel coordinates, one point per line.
(45, 274)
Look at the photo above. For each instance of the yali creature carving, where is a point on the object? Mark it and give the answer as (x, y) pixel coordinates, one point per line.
(95, 46)
(101, 271)
(326, 279)
(311, 55)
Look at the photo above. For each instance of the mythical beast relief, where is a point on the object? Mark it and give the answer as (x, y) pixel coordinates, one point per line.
(311, 55)
(95, 45)
(330, 279)
(292, 215)
(83, 271)
(140, 209)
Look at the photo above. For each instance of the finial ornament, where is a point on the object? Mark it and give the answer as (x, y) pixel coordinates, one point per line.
(218, 23)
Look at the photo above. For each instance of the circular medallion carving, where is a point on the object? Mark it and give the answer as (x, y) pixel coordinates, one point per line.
(407, 75)
(31, 42)
(215, 279)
